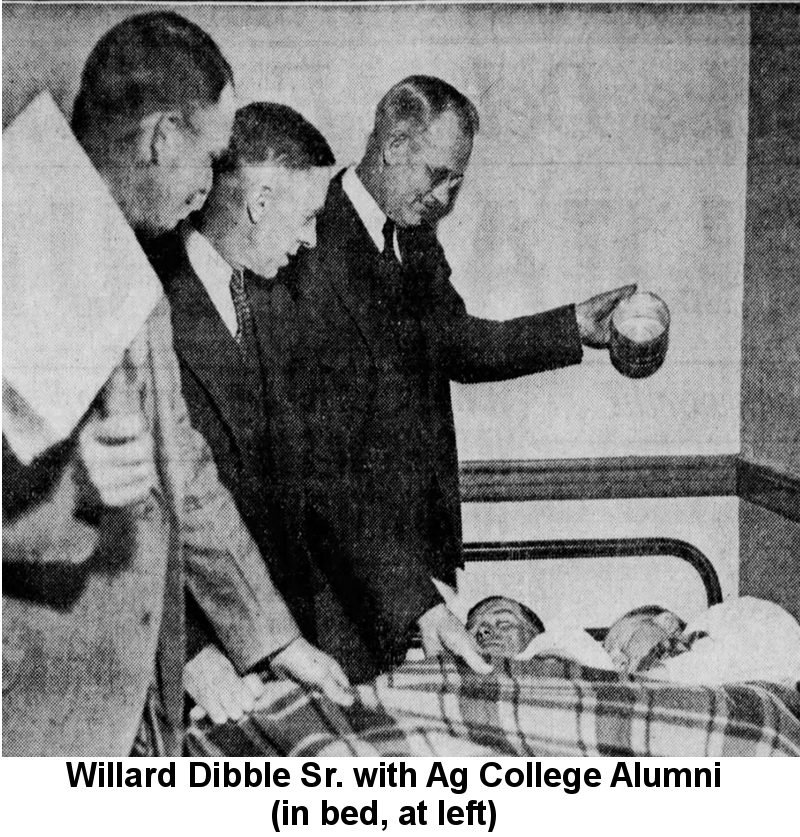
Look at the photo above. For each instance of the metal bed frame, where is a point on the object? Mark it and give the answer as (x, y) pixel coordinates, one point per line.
(600, 548)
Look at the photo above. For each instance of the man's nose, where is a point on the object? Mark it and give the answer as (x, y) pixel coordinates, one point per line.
(204, 186)
(441, 193)
(485, 632)
(198, 200)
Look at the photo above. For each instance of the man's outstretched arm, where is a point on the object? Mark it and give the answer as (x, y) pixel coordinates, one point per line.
(473, 349)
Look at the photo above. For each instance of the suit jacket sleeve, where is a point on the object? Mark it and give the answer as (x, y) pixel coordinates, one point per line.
(471, 349)
(224, 570)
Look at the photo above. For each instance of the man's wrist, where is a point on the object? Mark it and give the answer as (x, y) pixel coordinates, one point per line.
(264, 665)
(433, 610)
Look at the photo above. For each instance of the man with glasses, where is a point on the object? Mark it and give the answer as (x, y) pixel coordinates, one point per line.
(388, 333)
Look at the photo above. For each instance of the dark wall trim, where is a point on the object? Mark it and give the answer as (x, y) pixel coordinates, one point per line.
(631, 477)
(494, 481)
(770, 489)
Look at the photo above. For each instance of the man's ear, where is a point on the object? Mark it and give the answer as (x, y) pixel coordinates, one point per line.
(160, 138)
(397, 146)
(257, 201)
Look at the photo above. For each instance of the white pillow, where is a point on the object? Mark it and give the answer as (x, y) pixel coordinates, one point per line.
(748, 639)
(570, 642)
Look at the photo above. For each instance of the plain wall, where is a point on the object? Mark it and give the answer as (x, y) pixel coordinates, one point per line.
(612, 150)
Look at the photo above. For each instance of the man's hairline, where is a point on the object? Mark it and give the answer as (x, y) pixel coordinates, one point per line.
(519, 612)
(425, 125)
(519, 607)
(274, 163)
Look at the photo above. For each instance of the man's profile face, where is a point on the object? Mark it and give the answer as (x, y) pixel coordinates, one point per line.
(423, 182)
(287, 217)
(501, 627)
(181, 178)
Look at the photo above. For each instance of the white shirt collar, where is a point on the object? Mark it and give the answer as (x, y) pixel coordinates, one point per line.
(371, 215)
(215, 274)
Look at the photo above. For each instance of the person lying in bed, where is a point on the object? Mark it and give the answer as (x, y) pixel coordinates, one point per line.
(741, 639)
(502, 627)
(644, 637)
(505, 628)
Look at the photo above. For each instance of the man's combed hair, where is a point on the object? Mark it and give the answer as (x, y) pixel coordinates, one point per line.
(149, 63)
(419, 100)
(535, 622)
(654, 611)
(265, 132)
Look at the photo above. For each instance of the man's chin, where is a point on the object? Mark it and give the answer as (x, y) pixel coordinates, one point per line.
(153, 227)
(277, 266)
(411, 218)
(271, 269)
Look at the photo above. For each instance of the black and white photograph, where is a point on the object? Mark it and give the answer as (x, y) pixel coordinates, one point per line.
(401, 379)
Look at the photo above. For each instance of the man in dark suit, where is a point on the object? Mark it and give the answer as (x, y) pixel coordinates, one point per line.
(388, 332)
(234, 327)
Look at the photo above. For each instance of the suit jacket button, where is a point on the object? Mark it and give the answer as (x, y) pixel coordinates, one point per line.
(146, 618)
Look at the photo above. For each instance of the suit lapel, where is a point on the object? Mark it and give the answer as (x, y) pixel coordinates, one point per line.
(348, 256)
(277, 329)
(275, 317)
(205, 345)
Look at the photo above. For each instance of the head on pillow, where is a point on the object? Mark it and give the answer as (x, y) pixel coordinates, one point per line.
(642, 637)
(502, 627)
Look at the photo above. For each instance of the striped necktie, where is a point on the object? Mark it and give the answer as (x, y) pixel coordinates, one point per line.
(244, 314)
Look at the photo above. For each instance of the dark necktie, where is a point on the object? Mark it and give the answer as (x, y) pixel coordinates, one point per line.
(388, 242)
(390, 273)
(244, 314)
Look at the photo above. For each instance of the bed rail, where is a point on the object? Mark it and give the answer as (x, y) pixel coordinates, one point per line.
(600, 548)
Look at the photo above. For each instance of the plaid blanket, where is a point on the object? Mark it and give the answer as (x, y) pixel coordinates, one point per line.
(545, 706)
